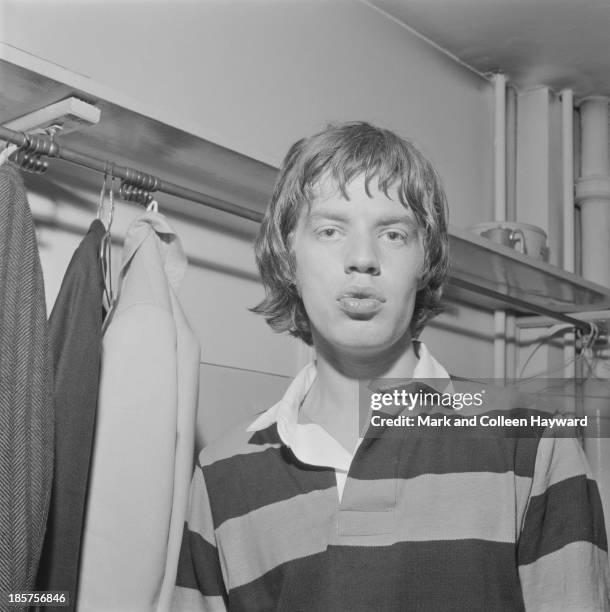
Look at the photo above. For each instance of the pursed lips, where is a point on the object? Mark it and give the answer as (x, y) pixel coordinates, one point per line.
(360, 301)
(357, 292)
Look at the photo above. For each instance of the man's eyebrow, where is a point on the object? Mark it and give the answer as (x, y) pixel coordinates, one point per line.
(398, 219)
(322, 215)
(326, 216)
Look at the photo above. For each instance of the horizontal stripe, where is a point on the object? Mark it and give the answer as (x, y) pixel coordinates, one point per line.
(245, 483)
(569, 511)
(370, 495)
(269, 536)
(476, 505)
(199, 565)
(558, 459)
(442, 453)
(187, 600)
(573, 578)
(473, 506)
(432, 576)
(238, 441)
(353, 525)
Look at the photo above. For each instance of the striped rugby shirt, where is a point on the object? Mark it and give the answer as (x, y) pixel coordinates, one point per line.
(426, 523)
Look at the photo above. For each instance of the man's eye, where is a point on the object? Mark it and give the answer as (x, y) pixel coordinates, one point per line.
(395, 236)
(327, 233)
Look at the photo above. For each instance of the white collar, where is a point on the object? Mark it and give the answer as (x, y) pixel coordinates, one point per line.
(310, 442)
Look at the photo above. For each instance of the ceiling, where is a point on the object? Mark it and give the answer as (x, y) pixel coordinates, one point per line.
(558, 43)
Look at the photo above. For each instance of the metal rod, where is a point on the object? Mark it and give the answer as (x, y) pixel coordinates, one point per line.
(52, 149)
(123, 172)
(596, 316)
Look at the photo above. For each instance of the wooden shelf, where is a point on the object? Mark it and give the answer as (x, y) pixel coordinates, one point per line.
(136, 134)
(483, 273)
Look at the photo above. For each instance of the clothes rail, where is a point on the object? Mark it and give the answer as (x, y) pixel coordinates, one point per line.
(37, 144)
(46, 146)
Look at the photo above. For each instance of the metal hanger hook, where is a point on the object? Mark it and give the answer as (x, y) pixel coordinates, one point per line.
(100, 206)
(111, 196)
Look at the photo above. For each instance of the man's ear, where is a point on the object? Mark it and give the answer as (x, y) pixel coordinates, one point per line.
(422, 281)
(292, 270)
(296, 285)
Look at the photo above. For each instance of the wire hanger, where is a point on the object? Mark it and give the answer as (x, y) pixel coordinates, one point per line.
(100, 206)
(106, 242)
(153, 206)
(8, 150)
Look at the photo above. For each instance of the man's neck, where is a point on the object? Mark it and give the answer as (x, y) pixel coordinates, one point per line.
(333, 399)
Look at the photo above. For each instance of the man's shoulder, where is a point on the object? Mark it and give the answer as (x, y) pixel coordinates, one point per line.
(238, 443)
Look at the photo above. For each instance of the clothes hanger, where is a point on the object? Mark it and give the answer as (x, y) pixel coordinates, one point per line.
(106, 242)
(8, 150)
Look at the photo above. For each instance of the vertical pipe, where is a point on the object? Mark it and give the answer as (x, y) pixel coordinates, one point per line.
(593, 196)
(511, 154)
(500, 210)
(567, 147)
(511, 215)
(500, 147)
(593, 191)
(595, 159)
(511, 346)
(500, 345)
(567, 113)
(577, 156)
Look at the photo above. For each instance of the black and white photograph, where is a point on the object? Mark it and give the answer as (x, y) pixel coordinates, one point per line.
(304, 305)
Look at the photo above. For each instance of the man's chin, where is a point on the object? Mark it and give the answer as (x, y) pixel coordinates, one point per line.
(365, 338)
(365, 344)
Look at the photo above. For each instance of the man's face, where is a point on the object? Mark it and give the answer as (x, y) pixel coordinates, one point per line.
(358, 267)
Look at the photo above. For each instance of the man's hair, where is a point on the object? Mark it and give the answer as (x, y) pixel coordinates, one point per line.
(341, 153)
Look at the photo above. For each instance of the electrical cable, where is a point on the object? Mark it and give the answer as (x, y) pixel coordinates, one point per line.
(553, 331)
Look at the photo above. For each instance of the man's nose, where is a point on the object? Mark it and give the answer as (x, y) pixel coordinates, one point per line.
(361, 255)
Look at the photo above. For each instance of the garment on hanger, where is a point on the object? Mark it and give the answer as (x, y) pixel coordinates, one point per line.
(76, 335)
(26, 378)
(144, 438)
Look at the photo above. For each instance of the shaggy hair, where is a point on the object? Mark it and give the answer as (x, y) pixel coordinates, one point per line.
(341, 153)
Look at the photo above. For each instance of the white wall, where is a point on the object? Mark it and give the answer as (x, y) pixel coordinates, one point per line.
(254, 76)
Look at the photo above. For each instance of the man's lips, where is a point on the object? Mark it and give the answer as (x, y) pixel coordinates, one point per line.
(360, 300)
(362, 292)
(364, 306)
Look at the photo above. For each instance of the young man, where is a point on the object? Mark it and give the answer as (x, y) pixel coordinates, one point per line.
(303, 508)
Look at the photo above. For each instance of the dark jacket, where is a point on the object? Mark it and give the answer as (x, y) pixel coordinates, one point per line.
(76, 330)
